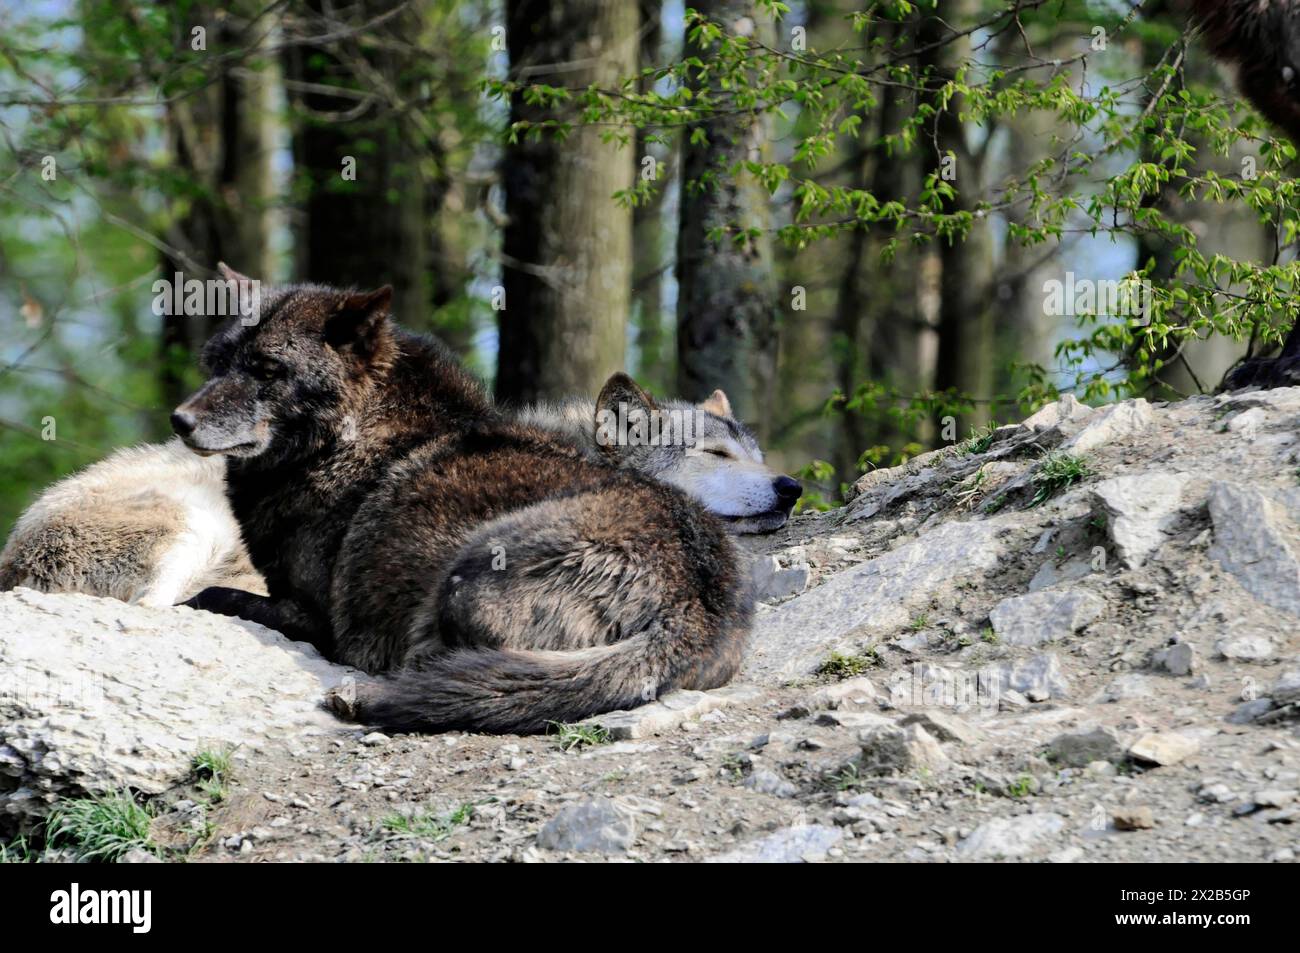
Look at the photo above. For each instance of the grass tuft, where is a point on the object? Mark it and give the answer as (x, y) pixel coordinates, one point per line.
(571, 737)
(1058, 471)
(100, 828)
(839, 665)
(427, 826)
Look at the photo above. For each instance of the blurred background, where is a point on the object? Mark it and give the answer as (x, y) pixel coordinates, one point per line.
(699, 227)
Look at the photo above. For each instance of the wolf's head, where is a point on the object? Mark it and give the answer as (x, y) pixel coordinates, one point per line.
(284, 382)
(699, 448)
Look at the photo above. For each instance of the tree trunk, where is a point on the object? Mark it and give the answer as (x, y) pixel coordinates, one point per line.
(221, 141)
(362, 215)
(567, 247)
(726, 317)
(964, 363)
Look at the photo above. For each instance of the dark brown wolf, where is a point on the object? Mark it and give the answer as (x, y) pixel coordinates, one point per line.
(503, 580)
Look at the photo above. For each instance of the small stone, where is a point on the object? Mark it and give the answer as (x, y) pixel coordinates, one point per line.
(1100, 769)
(945, 727)
(1139, 508)
(1246, 648)
(375, 739)
(1133, 818)
(596, 825)
(1012, 700)
(900, 751)
(808, 843)
(1066, 410)
(1045, 616)
(1287, 687)
(1274, 797)
(1078, 748)
(1215, 793)
(1112, 423)
(1247, 712)
(767, 781)
(1179, 659)
(1010, 836)
(777, 577)
(1164, 748)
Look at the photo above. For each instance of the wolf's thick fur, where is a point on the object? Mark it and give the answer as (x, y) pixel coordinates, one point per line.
(405, 526)
(700, 448)
(149, 524)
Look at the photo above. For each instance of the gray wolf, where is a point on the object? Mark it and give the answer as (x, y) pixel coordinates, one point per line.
(148, 524)
(499, 578)
(700, 448)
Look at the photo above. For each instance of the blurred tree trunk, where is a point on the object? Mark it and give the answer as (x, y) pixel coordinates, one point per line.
(965, 359)
(221, 141)
(650, 249)
(362, 215)
(567, 247)
(879, 327)
(726, 316)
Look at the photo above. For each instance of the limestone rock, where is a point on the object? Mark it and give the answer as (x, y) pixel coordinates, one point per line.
(1044, 616)
(792, 845)
(97, 695)
(900, 751)
(1254, 541)
(1076, 749)
(1163, 748)
(776, 577)
(1010, 836)
(667, 712)
(1111, 423)
(1139, 508)
(593, 826)
(1067, 410)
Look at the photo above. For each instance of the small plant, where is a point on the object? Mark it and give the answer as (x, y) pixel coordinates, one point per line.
(978, 442)
(1022, 786)
(571, 737)
(988, 635)
(428, 826)
(965, 492)
(100, 828)
(212, 769)
(995, 504)
(1058, 471)
(847, 778)
(840, 666)
(919, 623)
(18, 851)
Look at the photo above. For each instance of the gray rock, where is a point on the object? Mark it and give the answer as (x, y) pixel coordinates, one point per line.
(1245, 648)
(900, 751)
(1010, 836)
(791, 845)
(99, 695)
(792, 639)
(776, 577)
(1111, 423)
(1287, 687)
(1247, 712)
(1139, 508)
(1046, 616)
(1252, 540)
(593, 826)
(1050, 574)
(1038, 673)
(767, 781)
(1178, 659)
(668, 712)
(1137, 818)
(1128, 687)
(1066, 410)
(1076, 749)
(945, 727)
(1274, 797)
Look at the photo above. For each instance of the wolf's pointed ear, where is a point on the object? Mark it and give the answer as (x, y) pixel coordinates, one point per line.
(619, 393)
(229, 274)
(717, 404)
(357, 319)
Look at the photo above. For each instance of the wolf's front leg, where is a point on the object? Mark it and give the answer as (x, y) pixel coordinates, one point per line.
(283, 615)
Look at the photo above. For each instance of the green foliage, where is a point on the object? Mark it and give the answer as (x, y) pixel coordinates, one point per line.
(100, 828)
(571, 737)
(1057, 471)
(840, 665)
(428, 826)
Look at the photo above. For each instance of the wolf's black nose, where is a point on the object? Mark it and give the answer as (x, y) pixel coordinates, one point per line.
(182, 423)
(787, 489)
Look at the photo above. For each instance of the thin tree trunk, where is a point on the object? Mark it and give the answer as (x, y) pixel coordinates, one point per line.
(567, 248)
(363, 218)
(726, 316)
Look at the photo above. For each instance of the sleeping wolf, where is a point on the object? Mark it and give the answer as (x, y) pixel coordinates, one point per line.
(718, 462)
(405, 526)
(148, 524)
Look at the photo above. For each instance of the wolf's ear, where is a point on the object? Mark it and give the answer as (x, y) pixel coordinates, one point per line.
(229, 274)
(357, 319)
(619, 391)
(717, 404)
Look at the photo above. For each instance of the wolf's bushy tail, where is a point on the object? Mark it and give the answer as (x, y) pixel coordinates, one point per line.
(516, 691)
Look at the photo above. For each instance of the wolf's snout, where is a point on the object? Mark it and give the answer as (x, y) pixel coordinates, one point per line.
(787, 489)
(183, 423)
